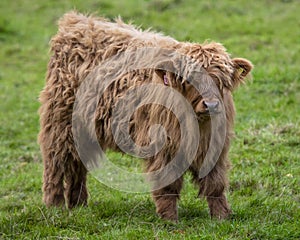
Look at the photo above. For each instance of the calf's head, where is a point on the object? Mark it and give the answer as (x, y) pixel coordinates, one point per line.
(205, 76)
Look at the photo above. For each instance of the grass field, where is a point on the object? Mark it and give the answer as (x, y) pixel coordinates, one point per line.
(265, 176)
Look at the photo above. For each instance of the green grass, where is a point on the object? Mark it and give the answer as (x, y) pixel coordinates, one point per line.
(265, 176)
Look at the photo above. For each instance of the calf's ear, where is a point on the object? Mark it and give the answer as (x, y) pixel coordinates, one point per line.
(242, 69)
(162, 67)
(166, 68)
(161, 70)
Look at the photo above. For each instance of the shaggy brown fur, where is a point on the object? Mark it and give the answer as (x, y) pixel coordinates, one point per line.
(81, 44)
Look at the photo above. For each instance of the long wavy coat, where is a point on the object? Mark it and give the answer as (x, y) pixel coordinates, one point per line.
(84, 43)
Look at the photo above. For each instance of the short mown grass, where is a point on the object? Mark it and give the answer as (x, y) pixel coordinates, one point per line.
(265, 175)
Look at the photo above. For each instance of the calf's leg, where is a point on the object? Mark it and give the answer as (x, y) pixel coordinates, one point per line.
(213, 187)
(166, 200)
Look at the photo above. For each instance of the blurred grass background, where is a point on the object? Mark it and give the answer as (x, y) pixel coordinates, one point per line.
(265, 177)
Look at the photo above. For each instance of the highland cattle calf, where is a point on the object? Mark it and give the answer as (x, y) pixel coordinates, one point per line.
(84, 43)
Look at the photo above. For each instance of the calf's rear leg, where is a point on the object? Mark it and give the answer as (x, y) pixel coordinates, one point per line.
(53, 189)
(75, 189)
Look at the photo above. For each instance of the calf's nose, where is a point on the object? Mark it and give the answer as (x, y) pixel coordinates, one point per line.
(210, 105)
